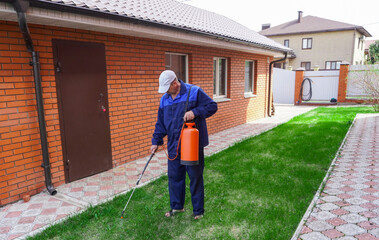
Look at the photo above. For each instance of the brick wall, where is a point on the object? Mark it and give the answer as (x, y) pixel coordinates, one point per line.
(133, 67)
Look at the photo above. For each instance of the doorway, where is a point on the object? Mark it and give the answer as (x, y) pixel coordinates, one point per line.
(80, 70)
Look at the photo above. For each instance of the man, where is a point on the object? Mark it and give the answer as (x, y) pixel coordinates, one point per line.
(171, 117)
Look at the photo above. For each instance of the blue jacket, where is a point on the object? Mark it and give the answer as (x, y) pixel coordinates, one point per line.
(171, 113)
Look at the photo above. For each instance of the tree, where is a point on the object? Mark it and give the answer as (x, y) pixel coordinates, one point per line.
(374, 52)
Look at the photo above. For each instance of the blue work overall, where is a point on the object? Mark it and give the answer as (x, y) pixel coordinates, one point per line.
(170, 122)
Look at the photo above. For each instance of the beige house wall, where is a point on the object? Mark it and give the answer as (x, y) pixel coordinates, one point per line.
(326, 46)
(359, 53)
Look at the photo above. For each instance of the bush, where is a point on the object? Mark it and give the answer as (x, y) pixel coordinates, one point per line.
(374, 52)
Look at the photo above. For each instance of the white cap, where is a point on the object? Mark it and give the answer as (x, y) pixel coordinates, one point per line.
(165, 80)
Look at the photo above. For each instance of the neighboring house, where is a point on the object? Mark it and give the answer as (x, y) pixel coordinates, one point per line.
(99, 65)
(318, 42)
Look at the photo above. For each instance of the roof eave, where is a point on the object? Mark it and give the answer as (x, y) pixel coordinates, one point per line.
(360, 29)
(363, 31)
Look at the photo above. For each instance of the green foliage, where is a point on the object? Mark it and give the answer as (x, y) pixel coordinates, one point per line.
(374, 52)
(257, 189)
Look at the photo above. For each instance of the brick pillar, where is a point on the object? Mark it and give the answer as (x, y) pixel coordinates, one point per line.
(342, 82)
(298, 80)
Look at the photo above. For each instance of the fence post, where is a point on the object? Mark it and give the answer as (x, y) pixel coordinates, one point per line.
(298, 80)
(342, 82)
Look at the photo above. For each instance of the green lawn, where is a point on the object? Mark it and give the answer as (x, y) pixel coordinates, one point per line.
(257, 189)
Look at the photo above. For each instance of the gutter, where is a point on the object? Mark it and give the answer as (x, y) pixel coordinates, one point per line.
(269, 113)
(20, 7)
(123, 18)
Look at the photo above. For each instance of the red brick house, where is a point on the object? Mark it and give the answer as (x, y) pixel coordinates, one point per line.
(78, 82)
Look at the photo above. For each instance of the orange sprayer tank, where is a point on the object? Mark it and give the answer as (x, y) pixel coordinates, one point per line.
(190, 145)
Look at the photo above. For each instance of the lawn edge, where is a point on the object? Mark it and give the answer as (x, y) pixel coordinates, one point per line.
(322, 185)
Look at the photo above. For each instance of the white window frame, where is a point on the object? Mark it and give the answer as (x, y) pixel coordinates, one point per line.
(217, 94)
(305, 67)
(288, 43)
(329, 65)
(308, 43)
(251, 80)
(186, 65)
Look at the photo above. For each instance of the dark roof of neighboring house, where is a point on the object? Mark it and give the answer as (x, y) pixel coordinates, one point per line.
(311, 24)
(166, 13)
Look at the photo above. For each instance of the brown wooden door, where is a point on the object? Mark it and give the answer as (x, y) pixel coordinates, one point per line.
(80, 70)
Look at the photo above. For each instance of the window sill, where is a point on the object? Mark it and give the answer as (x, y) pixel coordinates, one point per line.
(221, 99)
(250, 95)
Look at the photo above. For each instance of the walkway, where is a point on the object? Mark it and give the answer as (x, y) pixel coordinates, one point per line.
(348, 206)
(20, 219)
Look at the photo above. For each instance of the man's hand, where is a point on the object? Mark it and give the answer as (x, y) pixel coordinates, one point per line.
(189, 116)
(153, 148)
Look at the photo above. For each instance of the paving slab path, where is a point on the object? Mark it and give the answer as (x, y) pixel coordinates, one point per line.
(347, 208)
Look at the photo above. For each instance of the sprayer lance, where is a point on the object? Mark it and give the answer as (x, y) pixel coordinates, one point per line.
(139, 179)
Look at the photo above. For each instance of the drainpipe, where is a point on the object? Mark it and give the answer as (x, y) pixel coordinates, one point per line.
(20, 7)
(269, 83)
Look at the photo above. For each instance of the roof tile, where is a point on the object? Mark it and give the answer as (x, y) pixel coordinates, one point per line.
(177, 14)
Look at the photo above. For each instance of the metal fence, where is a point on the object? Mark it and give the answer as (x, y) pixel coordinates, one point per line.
(360, 79)
(283, 86)
(324, 84)
(362, 82)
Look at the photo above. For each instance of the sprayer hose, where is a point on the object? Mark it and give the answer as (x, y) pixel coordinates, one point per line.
(177, 148)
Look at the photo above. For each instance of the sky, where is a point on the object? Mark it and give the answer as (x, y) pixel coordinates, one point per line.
(254, 13)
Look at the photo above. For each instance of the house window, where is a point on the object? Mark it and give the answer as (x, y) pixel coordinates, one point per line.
(332, 65)
(219, 77)
(249, 77)
(179, 64)
(287, 43)
(361, 42)
(306, 65)
(277, 65)
(307, 43)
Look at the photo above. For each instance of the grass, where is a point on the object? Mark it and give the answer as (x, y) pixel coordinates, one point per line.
(257, 189)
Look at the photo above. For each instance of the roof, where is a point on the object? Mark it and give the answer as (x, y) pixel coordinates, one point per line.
(311, 24)
(167, 13)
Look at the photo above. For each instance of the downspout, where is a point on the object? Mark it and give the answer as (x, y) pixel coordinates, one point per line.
(20, 7)
(269, 83)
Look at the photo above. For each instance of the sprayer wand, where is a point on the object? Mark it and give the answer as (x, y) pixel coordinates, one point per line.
(139, 179)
